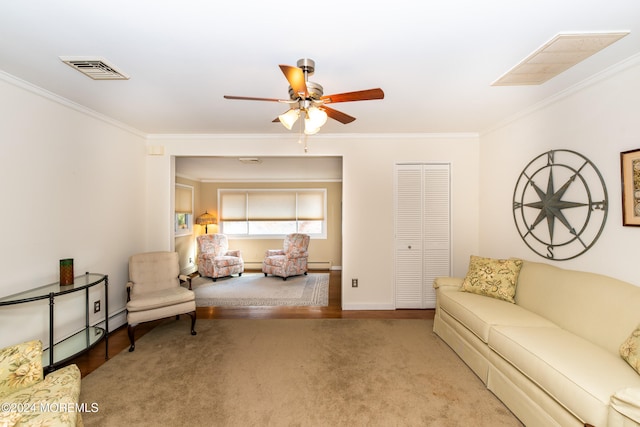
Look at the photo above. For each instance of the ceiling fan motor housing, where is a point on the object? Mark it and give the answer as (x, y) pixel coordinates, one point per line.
(314, 91)
(307, 65)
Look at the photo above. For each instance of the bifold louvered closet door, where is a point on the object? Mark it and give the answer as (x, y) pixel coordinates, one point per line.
(422, 232)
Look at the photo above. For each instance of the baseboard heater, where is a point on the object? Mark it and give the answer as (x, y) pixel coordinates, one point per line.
(312, 265)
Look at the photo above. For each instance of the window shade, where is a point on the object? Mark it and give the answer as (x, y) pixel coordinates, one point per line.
(310, 205)
(233, 206)
(271, 205)
(184, 197)
(281, 205)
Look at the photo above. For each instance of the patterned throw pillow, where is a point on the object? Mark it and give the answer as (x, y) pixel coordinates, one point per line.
(630, 350)
(496, 278)
(20, 366)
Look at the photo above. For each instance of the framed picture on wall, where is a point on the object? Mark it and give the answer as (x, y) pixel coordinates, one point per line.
(630, 169)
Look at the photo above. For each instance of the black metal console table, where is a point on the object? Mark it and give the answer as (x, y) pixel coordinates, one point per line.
(62, 351)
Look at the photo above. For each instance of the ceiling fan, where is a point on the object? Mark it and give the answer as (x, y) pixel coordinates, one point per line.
(307, 99)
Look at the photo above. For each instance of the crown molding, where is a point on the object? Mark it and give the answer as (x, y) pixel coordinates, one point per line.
(586, 83)
(37, 90)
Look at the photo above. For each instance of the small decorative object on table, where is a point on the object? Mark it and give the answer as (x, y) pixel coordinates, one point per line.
(66, 271)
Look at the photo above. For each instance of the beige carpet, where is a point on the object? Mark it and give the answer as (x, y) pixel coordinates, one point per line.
(254, 289)
(321, 372)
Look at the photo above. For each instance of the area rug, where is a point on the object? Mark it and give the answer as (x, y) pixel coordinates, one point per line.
(290, 372)
(254, 289)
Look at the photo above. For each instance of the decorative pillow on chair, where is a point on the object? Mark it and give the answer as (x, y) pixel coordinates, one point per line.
(496, 278)
(20, 366)
(630, 349)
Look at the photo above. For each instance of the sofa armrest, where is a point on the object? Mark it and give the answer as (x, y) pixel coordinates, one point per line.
(298, 253)
(449, 282)
(20, 367)
(234, 252)
(60, 389)
(627, 402)
(129, 286)
(271, 252)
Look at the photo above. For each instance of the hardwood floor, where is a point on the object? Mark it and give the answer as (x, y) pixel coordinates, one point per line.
(118, 339)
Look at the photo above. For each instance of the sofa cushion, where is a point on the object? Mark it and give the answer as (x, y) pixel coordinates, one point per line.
(630, 349)
(578, 374)
(479, 313)
(20, 366)
(227, 261)
(161, 298)
(600, 309)
(496, 278)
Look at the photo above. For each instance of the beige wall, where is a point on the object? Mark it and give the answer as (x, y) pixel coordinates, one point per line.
(327, 250)
(73, 186)
(186, 245)
(598, 119)
(367, 195)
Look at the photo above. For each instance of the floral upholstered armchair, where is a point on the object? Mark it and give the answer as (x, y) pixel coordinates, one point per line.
(215, 259)
(28, 398)
(291, 260)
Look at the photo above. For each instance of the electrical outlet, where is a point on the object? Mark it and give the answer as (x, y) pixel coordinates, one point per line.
(190, 260)
(354, 283)
(96, 306)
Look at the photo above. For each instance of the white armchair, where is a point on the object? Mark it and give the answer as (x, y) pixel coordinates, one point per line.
(154, 291)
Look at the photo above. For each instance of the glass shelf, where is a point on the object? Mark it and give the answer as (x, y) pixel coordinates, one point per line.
(61, 352)
(43, 292)
(70, 347)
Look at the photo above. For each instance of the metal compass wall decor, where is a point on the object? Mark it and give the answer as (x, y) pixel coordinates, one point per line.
(560, 204)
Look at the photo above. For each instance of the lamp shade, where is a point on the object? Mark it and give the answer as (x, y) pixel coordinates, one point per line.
(206, 219)
(289, 118)
(314, 120)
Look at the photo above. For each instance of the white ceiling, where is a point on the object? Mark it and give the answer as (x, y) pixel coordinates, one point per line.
(434, 60)
(270, 169)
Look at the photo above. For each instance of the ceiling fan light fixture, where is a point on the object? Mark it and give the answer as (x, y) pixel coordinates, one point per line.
(289, 118)
(314, 120)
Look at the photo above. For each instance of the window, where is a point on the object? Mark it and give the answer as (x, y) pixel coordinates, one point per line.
(183, 210)
(272, 213)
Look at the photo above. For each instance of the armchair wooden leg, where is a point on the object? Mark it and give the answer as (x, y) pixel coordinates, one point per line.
(130, 331)
(193, 322)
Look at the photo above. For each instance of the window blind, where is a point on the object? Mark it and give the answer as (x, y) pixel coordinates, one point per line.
(272, 205)
(184, 198)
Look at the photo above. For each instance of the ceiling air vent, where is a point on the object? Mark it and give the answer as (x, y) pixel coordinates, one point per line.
(94, 67)
(557, 55)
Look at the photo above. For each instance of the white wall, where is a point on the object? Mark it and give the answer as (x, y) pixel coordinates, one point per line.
(368, 164)
(73, 186)
(599, 120)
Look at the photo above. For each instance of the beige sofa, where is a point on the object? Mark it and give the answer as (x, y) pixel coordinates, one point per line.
(553, 356)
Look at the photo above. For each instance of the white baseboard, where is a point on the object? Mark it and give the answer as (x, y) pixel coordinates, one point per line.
(368, 307)
(313, 265)
(116, 320)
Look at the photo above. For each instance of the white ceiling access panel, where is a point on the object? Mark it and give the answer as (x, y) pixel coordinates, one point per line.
(557, 55)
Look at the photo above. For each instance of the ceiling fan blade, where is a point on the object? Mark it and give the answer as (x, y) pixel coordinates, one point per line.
(251, 98)
(295, 77)
(338, 115)
(361, 95)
